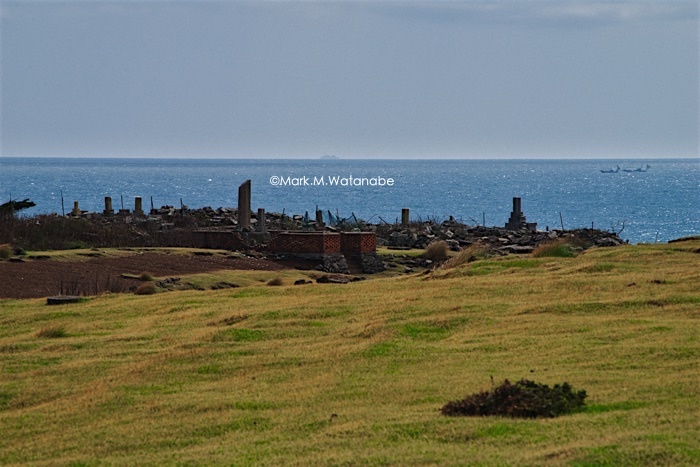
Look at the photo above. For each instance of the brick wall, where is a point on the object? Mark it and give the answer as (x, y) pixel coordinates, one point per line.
(358, 242)
(323, 242)
(305, 242)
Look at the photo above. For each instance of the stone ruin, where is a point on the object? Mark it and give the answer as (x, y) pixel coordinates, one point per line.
(336, 246)
(517, 219)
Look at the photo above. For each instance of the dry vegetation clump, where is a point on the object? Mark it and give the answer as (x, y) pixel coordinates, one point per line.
(275, 281)
(524, 399)
(470, 254)
(559, 247)
(5, 251)
(147, 288)
(436, 251)
(52, 332)
(146, 277)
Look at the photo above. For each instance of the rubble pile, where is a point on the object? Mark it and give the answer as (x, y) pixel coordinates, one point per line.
(459, 236)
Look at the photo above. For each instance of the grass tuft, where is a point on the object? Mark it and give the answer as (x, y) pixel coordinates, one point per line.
(437, 251)
(558, 248)
(276, 281)
(467, 255)
(146, 277)
(52, 332)
(5, 251)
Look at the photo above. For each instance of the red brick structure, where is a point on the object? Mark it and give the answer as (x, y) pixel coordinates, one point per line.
(322, 243)
(358, 242)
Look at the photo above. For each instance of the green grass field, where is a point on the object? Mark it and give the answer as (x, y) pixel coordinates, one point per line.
(357, 373)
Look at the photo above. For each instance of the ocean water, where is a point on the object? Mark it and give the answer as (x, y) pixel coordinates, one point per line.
(659, 204)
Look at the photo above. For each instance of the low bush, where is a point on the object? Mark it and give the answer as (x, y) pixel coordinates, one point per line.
(436, 251)
(147, 288)
(146, 277)
(524, 399)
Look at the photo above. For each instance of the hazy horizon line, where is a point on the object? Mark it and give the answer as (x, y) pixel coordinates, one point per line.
(335, 157)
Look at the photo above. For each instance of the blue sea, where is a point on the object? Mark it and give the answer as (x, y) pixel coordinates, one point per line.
(657, 205)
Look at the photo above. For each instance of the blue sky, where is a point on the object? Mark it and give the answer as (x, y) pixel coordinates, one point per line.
(409, 79)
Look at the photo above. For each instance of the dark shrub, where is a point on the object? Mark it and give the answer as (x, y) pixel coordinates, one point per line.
(147, 288)
(146, 276)
(524, 399)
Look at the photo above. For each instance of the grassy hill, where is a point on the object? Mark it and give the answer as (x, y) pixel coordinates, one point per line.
(357, 373)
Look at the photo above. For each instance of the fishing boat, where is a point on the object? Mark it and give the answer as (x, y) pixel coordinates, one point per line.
(638, 169)
(610, 171)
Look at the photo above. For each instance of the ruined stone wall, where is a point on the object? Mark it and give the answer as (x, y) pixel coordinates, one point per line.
(217, 239)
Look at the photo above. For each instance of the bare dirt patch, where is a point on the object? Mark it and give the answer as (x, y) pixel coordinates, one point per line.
(41, 278)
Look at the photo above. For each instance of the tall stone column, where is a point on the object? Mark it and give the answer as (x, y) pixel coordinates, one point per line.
(260, 226)
(138, 206)
(405, 215)
(517, 220)
(109, 211)
(244, 205)
(76, 209)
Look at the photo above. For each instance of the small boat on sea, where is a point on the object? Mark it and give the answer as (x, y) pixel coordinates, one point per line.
(639, 169)
(610, 171)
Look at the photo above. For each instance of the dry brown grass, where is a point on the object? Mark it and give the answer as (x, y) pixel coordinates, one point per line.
(5, 251)
(470, 254)
(437, 251)
(276, 281)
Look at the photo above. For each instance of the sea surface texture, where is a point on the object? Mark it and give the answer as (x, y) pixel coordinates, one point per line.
(658, 204)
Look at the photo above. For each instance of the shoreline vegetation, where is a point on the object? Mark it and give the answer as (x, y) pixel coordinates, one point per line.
(357, 373)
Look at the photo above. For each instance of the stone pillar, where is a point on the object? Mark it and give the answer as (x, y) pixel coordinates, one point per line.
(138, 206)
(405, 215)
(517, 219)
(319, 218)
(517, 206)
(244, 205)
(76, 209)
(260, 226)
(109, 211)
